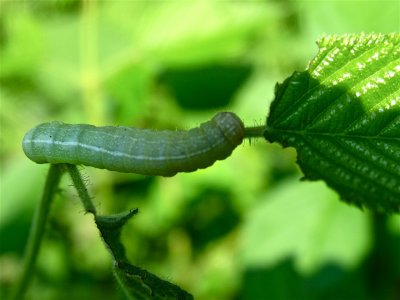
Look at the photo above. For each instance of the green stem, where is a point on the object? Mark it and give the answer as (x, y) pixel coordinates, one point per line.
(81, 189)
(254, 132)
(38, 226)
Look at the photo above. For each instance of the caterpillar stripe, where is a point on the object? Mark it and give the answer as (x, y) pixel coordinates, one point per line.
(133, 150)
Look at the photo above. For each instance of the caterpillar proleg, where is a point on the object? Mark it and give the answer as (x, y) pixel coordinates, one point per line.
(133, 150)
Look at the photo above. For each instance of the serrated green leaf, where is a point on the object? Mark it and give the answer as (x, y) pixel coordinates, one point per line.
(110, 228)
(137, 283)
(343, 117)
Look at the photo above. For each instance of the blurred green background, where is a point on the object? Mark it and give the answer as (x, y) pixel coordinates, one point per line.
(246, 228)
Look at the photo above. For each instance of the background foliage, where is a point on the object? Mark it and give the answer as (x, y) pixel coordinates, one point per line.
(245, 228)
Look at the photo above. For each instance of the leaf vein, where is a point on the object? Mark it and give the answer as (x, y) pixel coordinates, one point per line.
(335, 134)
(346, 167)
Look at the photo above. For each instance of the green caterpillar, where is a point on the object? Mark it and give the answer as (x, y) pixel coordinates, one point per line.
(132, 150)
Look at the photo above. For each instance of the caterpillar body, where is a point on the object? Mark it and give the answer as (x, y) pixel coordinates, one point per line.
(133, 150)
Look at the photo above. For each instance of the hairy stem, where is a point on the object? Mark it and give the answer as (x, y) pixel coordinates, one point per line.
(254, 132)
(37, 230)
(81, 189)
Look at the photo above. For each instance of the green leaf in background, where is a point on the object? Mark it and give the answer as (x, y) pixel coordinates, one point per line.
(343, 117)
(305, 222)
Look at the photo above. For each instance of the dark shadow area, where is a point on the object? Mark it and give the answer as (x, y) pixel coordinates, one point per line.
(209, 217)
(206, 86)
(382, 268)
(283, 282)
(10, 241)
